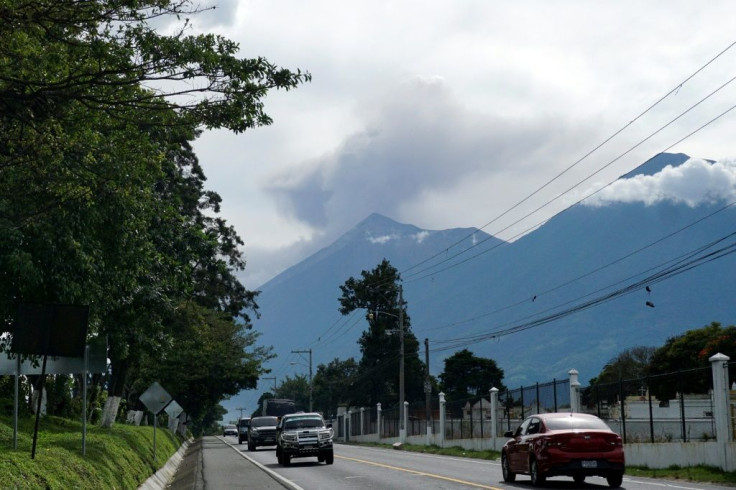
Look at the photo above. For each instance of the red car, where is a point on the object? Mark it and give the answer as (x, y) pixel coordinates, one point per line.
(563, 444)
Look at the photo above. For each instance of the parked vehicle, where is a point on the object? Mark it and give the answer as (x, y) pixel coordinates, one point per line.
(563, 444)
(302, 435)
(230, 430)
(262, 432)
(243, 425)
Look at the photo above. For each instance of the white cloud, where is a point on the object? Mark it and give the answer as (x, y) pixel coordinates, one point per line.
(382, 240)
(694, 182)
(421, 236)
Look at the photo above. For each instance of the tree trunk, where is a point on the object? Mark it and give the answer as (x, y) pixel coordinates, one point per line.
(115, 391)
(110, 412)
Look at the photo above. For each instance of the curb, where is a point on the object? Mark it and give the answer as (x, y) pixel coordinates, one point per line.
(161, 478)
(279, 479)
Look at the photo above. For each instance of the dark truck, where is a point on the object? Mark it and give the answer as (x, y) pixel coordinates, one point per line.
(243, 424)
(262, 432)
(278, 407)
(301, 435)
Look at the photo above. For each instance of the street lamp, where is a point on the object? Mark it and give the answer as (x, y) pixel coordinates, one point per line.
(309, 351)
(402, 429)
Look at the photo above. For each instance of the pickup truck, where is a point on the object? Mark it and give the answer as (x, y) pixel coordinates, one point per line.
(302, 435)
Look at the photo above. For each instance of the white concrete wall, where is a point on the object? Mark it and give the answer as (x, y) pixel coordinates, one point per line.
(664, 455)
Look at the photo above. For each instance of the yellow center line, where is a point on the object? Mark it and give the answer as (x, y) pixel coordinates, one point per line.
(421, 473)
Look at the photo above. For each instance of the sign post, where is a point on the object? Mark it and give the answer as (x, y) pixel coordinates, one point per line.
(49, 330)
(155, 398)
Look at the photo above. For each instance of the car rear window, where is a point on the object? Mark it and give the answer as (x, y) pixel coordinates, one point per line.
(302, 423)
(575, 423)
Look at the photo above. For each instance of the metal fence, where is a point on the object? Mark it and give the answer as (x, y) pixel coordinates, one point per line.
(552, 396)
(669, 407)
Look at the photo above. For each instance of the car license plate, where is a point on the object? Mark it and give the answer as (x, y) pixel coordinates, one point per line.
(589, 464)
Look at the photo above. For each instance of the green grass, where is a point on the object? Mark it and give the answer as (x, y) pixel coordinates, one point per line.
(117, 458)
(689, 473)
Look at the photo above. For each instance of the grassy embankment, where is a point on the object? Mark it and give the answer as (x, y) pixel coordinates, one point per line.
(117, 458)
(691, 473)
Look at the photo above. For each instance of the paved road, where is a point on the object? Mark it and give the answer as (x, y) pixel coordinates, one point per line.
(215, 463)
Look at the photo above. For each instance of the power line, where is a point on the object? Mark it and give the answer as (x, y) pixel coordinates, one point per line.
(679, 265)
(414, 277)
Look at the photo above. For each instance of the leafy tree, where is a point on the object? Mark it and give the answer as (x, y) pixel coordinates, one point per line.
(211, 358)
(333, 385)
(632, 363)
(210, 423)
(467, 376)
(295, 388)
(101, 198)
(624, 374)
(378, 292)
(687, 353)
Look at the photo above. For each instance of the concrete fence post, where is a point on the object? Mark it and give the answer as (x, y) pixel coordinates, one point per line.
(378, 419)
(494, 416)
(406, 422)
(347, 425)
(574, 390)
(721, 416)
(442, 420)
(362, 421)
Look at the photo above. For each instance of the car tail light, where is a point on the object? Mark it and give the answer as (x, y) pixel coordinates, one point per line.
(550, 442)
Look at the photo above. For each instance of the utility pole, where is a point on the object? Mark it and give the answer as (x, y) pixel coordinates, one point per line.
(309, 351)
(427, 387)
(241, 412)
(402, 428)
(274, 383)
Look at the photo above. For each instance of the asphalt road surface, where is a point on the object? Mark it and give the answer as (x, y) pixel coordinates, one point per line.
(226, 464)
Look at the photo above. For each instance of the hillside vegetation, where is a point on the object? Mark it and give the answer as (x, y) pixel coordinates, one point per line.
(117, 458)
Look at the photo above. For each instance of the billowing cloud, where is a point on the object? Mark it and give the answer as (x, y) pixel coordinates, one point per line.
(417, 141)
(694, 182)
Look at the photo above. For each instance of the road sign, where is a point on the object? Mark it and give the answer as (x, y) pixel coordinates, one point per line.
(155, 398)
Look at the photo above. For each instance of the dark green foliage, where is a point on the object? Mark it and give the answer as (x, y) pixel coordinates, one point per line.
(467, 376)
(295, 388)
(688, 355)
(102, 200)
(333, 385)
(378, 373)
(632, 363)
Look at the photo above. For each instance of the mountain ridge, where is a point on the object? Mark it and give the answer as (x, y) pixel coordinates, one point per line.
(574, 257)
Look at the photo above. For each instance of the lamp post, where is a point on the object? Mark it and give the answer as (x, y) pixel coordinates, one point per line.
(402, 429)
(308, 351)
